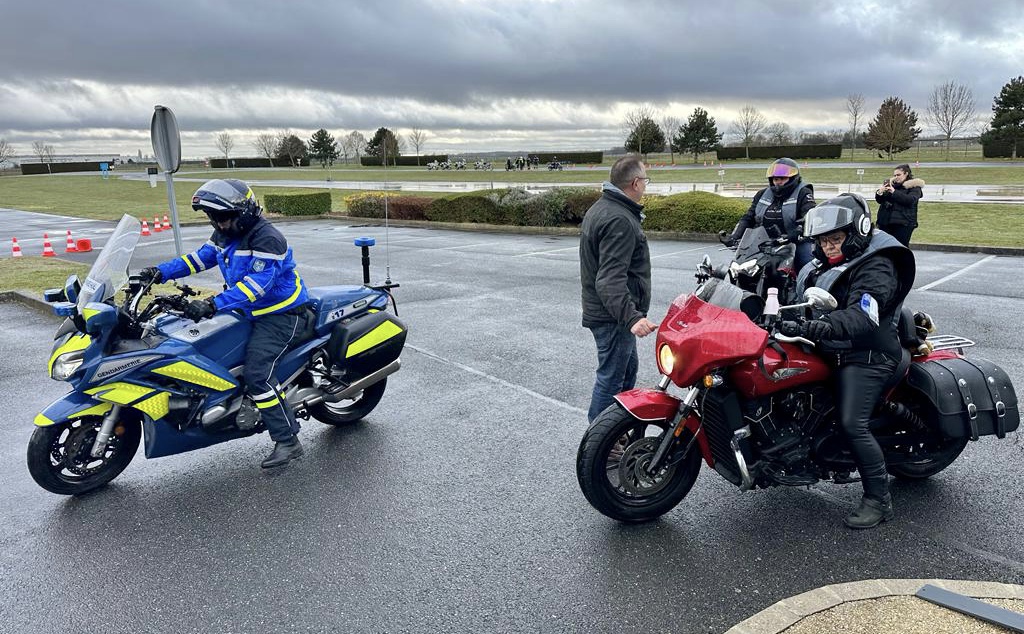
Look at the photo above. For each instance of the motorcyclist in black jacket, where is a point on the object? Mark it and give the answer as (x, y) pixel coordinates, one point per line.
(779, 208)
(869, 273)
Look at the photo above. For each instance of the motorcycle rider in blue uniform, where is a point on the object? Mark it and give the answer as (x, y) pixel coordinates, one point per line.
(261, 282)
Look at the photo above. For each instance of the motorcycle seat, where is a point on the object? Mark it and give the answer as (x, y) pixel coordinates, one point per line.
(901, 371)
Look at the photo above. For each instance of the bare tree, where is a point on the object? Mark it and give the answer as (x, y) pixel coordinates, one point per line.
(779, 134)
(266, 144)
(671, 126)
(854, 108)
(6, 151)
(637, 124)
(418, 137)
(951, 109)
(355, 142)
(225, 143)
(748, 125)
(39, 149)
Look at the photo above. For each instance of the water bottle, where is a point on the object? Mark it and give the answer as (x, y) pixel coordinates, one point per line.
(771, 305)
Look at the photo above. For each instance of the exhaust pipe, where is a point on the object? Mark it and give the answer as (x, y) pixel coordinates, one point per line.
(368, 380)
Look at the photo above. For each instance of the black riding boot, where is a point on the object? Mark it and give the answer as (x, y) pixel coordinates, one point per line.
(876, 505)
(284, 452)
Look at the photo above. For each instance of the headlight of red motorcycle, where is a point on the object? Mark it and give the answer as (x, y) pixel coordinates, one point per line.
(666, 359)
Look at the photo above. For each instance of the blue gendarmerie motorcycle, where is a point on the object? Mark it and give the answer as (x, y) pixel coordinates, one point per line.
(139, 369)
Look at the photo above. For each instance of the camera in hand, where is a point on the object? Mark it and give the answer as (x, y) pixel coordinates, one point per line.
(885, 183)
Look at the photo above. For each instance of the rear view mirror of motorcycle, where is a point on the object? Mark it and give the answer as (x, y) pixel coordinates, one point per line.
(816, 298)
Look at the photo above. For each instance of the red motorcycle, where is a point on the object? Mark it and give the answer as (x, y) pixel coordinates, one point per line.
(757, 406)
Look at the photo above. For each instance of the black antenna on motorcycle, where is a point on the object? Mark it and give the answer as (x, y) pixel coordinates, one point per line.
(387, 240)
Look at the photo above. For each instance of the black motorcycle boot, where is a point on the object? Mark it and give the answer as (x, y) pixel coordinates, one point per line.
(284, 452)
(870, 513)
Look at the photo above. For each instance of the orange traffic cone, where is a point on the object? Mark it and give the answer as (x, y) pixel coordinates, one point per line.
(145, 228)
(70, 244)
(156, 225)
(47, 247)
(15, 249)
(167, 223)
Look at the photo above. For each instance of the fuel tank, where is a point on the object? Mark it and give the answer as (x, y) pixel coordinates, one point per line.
(222, 338)
(781, 372)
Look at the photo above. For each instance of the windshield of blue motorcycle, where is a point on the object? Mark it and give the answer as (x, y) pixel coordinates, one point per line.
(750, 243)
(111, 268)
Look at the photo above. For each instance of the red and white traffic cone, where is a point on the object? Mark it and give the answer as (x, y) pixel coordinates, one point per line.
(15, 249)
(47, 247)
(70, 244)
(167, 223)
(156, 225)
(145, 228)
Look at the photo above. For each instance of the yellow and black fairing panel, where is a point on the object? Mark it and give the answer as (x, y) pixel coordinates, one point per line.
(365, 344)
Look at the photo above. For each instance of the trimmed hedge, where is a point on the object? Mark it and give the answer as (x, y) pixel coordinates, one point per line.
(56, 168)
(998, 149)
(375, 161)
(824, 150)
(471, 207)
(304, 204)
(554, 207)
(697, 212)
(256, 162)
(569, 157)
(371, 205)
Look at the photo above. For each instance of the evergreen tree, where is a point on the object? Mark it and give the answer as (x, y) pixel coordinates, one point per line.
(292, 148)
(323, 148)
(892, 129)
(384, 145)
(1008, 118)
(698, 135)
(646, 137)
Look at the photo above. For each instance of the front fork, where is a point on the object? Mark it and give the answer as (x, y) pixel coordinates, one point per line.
(677, 425)
(106, 431)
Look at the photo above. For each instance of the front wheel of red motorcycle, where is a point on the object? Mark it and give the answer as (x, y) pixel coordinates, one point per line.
(611, 467)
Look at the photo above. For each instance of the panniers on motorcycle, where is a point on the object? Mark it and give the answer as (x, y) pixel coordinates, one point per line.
(366, 344)
(972, 397)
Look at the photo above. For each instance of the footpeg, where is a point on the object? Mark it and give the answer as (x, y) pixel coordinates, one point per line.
(248, 415)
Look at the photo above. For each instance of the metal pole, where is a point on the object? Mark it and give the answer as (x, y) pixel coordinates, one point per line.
(174, 212)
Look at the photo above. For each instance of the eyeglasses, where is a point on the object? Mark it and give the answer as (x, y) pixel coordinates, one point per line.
(645, 179)
(834, 241)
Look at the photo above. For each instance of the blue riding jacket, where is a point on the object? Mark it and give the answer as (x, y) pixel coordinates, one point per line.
(258, 268)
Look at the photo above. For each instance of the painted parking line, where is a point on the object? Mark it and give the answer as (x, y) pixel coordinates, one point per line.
(932, 285)
(572, 248)
(665, 255)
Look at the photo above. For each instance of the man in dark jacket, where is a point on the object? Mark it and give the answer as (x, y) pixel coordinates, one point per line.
(897, 200)
(615, 270)
(869, 273)
(780, 207)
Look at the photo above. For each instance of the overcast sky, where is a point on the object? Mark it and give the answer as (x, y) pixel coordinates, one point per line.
(477, 75)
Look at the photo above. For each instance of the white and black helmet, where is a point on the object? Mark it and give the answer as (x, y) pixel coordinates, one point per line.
(848, 212)
(226, 198)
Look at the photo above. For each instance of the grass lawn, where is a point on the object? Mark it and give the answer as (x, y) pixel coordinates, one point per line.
(36, 273)
(970, 223)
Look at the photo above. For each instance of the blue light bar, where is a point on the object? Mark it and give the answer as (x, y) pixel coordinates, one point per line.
(364, 242)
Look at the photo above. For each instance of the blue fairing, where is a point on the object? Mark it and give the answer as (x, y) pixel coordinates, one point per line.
(222, 337)
(164, 439)
(335, 302)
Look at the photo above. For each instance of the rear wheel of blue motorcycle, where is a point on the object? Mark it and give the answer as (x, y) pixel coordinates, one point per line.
(348, 411)
(59, 457)
(611, 461)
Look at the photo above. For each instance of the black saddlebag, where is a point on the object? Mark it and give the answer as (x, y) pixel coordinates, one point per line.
(972, 397)
(365, 344)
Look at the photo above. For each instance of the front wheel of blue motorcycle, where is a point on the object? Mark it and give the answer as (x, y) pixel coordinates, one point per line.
(348, 411)
(60, 459)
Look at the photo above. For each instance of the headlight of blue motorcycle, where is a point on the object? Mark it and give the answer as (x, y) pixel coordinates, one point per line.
(67, 364)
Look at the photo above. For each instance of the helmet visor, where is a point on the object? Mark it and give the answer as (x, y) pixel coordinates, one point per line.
(826, 219)
(781, 170)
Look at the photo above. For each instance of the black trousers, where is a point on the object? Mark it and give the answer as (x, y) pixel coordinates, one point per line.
(271, 336)
(859, 389)
(900, 232)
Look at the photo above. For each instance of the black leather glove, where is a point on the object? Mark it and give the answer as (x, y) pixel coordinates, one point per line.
(199, 309)
(151, 275)
(791, 328)
(726, 239)
(817, 330)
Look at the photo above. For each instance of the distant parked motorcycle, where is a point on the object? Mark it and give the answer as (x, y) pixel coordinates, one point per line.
(482, 165)
(554, 165)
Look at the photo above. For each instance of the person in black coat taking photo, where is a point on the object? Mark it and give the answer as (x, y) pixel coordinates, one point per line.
(897, 204)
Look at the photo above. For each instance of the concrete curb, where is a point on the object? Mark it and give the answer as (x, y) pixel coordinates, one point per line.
(788, 612)
(27, 300)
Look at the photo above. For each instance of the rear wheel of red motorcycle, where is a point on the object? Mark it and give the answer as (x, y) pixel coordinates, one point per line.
(938, 459)
(611, 461)
(347, 411)
(59, 458)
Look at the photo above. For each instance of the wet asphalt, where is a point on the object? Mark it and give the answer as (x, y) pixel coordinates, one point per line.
(453, 507)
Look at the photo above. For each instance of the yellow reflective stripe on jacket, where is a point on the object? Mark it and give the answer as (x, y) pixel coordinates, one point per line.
(191, 268)
(378, 335)
(278, 306)
(248, 293)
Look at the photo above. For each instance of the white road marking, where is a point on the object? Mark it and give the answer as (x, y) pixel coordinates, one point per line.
(665, 255)
(572, 248)
(927, 287)
(465, 246)
(502, 382)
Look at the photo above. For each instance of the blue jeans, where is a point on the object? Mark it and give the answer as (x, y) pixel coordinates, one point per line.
(616, 365)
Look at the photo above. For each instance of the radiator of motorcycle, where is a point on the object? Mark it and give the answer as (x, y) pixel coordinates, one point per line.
(720, 411)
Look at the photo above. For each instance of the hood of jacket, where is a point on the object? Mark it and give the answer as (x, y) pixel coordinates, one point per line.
(911, 183)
